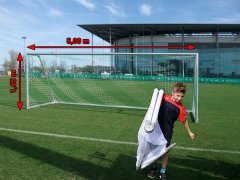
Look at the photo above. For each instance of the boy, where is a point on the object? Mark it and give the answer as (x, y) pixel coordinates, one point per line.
(171, 110)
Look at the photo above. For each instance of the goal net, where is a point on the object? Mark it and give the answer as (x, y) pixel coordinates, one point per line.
(122, 80)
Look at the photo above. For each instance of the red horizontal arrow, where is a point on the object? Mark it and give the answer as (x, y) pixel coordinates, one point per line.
(19, 103)
(189, 47)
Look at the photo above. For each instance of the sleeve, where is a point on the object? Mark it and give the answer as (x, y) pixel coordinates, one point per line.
(183, 114)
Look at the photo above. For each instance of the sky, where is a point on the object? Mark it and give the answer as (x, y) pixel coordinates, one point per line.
(50, 22)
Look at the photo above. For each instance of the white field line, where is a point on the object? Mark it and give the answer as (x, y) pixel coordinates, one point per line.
(112, 141)
(68, 136)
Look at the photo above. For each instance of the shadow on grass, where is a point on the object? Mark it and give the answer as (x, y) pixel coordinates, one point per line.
(202, 168)
(190, 168)
(61, 161)
(123, 167)
(85, 169)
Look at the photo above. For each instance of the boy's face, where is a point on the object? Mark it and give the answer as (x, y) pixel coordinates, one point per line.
(177, 96)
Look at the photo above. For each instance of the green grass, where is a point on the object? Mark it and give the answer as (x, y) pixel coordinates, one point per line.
(28, 156)
(97, 91)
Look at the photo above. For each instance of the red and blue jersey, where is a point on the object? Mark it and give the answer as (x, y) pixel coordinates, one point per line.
(169, 112)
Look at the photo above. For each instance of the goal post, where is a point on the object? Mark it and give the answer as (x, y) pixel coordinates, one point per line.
(122, 80)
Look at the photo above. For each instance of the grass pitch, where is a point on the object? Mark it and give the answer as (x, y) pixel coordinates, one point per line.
(34, 156)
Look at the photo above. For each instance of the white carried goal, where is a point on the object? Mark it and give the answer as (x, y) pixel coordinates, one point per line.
(123, 80)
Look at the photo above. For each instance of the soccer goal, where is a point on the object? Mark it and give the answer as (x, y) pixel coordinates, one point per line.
(122, 80)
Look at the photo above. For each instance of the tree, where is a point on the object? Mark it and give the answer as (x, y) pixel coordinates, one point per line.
(74, 69)
(13, 60)
(62, 67)
(11, 64)
(5, 65)
(53, 66)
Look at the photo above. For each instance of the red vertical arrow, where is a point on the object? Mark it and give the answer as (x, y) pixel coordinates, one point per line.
(19, 103)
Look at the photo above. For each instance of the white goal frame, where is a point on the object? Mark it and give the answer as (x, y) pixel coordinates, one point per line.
(193, 111)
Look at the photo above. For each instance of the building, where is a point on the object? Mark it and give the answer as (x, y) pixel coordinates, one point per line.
(218, 45)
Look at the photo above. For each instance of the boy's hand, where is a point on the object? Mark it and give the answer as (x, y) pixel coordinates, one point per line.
(191, 135)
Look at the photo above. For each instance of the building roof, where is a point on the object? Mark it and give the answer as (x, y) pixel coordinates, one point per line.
(119, 31)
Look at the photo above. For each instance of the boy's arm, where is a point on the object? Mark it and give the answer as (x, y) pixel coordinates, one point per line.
(188, 129)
